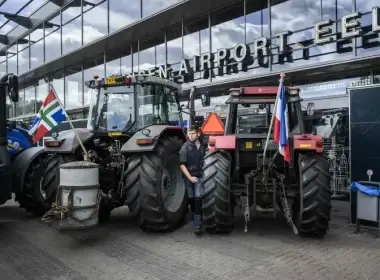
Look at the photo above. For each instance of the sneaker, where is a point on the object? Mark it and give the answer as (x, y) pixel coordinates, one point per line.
(197, 230)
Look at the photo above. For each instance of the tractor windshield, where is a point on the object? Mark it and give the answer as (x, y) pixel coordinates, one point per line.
(253, 120)
(131, 108)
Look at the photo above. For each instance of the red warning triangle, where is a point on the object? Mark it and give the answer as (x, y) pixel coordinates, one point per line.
(213, 125)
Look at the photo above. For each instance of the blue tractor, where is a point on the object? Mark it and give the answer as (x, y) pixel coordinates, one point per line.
(21, 162)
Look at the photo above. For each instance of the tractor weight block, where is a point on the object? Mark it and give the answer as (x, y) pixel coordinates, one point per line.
(79, 195)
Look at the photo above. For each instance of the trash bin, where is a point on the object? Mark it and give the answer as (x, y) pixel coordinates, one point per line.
(365, 203)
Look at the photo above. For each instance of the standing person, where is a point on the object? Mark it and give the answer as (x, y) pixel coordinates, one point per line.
(191, 158)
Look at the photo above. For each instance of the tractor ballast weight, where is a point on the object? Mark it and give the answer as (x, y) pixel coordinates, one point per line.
(134, 134)
(235, 169)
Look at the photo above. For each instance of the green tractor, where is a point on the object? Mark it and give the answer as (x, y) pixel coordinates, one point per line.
(134, 133)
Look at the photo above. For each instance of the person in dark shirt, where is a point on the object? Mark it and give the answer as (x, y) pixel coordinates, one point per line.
(191, 158)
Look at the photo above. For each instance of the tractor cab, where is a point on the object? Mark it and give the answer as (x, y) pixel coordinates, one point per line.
(248, 119)
(122, 105)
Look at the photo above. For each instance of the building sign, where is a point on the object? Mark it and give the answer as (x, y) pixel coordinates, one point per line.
(333, 88)
(229, 61)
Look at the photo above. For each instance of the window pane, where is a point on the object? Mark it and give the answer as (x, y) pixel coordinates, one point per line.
(151, 7)
(58, 83)
(227, 31)
(12, 60)
(42, 92)
(126, 64)
(146, 60)
(73, 87)
(195, 42)
(19, 106)
(23, 61)
(53, 40)
(113, 67)
(36, 54)
(72, 11)
(30, 100)
(3, 68)
(95, 23)
(301, 49)
(367, 44)
(72, 35)
(122, 15)
(94, 67)
(174, 44)
(10, 109)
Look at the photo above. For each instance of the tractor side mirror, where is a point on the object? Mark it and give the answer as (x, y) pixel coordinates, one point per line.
(13, 88)
(205, 99)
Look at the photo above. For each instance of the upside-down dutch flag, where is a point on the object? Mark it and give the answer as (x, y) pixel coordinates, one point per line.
(281, 128)
(50, 115)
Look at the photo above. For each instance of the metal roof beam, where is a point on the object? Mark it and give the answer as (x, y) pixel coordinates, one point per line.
(75, 3)
(6, 40)
(27, 22)
(21, 20)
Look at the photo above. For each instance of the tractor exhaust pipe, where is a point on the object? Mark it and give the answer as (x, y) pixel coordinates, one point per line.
(4, 156)
(8, 86)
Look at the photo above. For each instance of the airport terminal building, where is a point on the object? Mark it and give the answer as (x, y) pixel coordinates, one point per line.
(323, 47)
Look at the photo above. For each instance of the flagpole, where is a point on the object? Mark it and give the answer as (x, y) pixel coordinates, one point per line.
(69, 121)
(282, 75)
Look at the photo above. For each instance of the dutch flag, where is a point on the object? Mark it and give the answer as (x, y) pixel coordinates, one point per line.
(281, 127)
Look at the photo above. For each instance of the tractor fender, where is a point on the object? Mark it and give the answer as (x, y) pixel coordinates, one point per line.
(151, 132)
(70, 142)
(21, 164)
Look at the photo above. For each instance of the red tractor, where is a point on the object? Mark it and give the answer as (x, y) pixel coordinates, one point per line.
(243, 164)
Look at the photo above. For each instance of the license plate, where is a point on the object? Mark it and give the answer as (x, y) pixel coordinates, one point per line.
(305, 146)
(115, 133)
(110, 81)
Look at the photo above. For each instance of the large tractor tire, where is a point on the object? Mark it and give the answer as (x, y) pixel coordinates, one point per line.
(312, 209)
(41, 183)
(217, 203)
(163, 196)
(132, 184)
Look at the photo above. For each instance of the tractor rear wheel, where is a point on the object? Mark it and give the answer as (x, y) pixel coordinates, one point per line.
(41, 184)
(312, 209)
(217, 202)
(163, 195)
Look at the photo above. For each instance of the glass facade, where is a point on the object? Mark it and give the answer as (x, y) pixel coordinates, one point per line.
(246, 39)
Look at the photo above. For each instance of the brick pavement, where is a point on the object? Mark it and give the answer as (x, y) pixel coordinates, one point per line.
(119, 250)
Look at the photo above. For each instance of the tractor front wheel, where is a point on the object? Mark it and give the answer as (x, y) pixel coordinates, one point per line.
(217, 202)
(312, 209)
(132, 184)
(163, 195)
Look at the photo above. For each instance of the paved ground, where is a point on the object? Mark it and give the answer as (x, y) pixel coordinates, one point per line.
(32, 250)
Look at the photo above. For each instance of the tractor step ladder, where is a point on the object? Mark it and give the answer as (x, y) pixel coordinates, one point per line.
(263, 212)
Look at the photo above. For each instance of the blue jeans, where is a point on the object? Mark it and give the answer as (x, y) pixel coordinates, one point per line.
(195, 192)
(194, 189)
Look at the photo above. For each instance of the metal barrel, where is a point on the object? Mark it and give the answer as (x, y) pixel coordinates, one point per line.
(79, 194)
